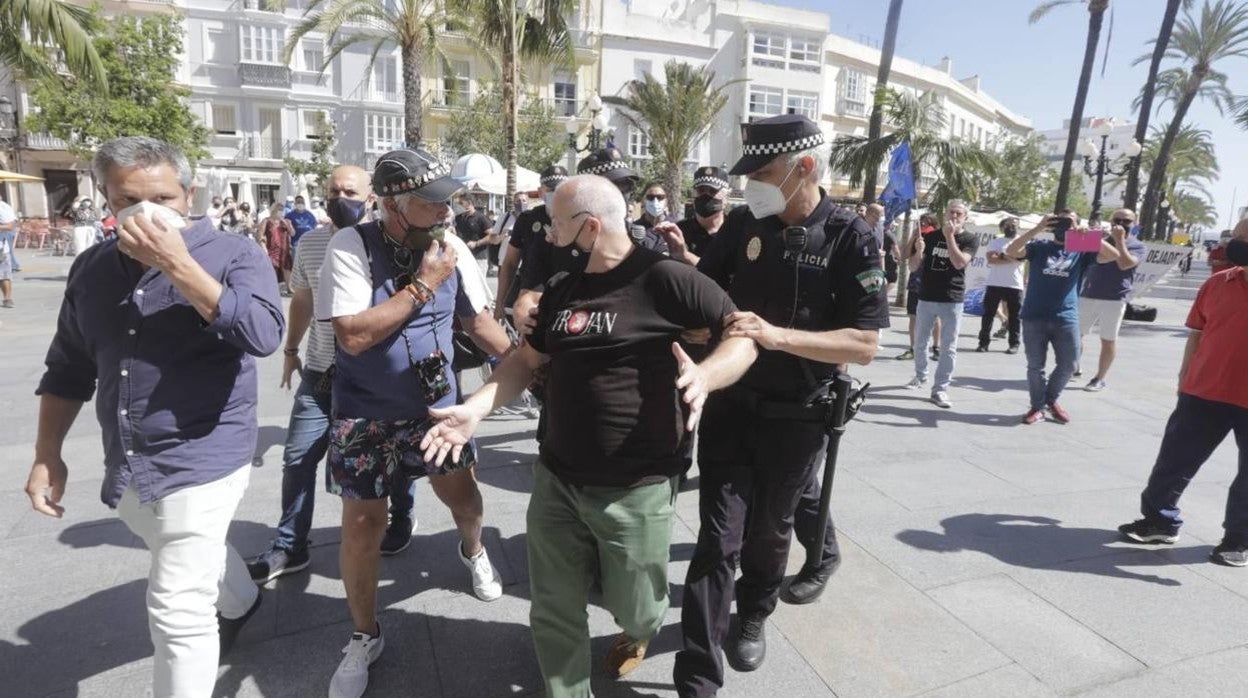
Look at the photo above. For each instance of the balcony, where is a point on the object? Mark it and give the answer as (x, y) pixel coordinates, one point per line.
(264, 75)
(449, 99)
(852, 107)
(44, 141)
(257, 147)
(385, 96)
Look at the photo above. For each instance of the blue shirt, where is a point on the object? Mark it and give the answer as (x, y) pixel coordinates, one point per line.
(1055, 276)
(303, 221)
(1108, 282)
(176, 396)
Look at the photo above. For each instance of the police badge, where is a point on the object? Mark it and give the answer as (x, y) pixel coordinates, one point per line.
(754, 248)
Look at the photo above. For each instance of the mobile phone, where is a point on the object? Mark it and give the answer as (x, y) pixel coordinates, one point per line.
(1059, 226)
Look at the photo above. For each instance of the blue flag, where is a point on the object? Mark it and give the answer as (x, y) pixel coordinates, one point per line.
(900, 190)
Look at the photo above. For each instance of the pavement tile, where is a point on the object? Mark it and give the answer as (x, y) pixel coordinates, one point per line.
(936, 483)
(1214, 674)
(1011, 680)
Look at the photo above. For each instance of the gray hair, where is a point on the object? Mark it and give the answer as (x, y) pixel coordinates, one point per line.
(140, 151)
(599, 197)
(821, 153)
(958, 203)
(400, 200)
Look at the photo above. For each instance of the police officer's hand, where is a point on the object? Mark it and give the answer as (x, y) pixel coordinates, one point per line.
(455, 426)
(753, 327)
(674, 237)
(692, 380)
(438, 264)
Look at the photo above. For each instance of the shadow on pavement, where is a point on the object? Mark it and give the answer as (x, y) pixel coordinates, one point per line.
(1034, 542)
(933, 417)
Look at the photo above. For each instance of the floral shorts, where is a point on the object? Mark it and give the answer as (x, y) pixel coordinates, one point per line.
(369, 457)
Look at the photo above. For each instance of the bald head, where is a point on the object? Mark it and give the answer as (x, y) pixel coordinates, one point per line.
(595, 196)
(348, 182)
(874, 214)
(1241, 230)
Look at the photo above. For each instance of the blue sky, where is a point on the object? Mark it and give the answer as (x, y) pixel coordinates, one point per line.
(1033, 69)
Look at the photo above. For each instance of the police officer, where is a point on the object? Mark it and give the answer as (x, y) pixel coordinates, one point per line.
(531, 225)
(609, 163)
(808, 281)
(689, 238)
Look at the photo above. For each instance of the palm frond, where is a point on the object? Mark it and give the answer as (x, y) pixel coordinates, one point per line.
(1044, 8)
(31, 31)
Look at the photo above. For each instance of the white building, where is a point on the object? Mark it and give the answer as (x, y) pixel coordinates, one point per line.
(1120, 135)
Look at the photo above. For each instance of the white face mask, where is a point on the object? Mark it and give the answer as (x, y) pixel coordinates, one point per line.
(154, 212)
(548, 198)
(767, 199)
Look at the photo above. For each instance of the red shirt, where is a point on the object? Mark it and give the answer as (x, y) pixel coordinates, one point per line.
(1219, 369)
(1217, 258)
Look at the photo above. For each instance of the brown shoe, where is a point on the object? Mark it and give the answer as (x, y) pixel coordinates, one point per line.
(625, 655)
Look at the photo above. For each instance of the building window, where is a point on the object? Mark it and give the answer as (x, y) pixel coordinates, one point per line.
(855, 86)
(804, 54)
(804, 103)
(383, 132)
(642, 68)
(455, 82)
(261, 44)
(638, 143)
(765, 101)
(565, 95)
(385, 84)
(217, 47)
(313, 55)
(768, 50)
(225, 119)
(314, 123)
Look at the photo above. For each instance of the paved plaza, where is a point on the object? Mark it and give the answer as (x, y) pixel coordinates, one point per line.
(980, 556)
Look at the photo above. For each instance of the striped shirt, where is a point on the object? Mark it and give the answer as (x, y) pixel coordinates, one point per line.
(307, 274)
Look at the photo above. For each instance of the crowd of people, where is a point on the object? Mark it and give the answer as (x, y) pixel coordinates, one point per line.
(636, 333)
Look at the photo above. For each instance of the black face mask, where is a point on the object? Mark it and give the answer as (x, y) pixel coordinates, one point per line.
(344, 213)
(1237, 252)
(1011, 231)
(707, 205)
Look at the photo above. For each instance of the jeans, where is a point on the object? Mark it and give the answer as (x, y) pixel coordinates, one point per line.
(624, 532)
(950, 316)
(1196, 428)
(1037, 335)
(307, 439)
(194, 575)
(10, 237)
(993, 297)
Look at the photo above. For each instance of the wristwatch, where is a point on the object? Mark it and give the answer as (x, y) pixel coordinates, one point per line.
(288, 351)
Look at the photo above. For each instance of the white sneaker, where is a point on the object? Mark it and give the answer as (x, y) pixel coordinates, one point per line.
(915, 384)
(361, 652)
(941, 399)
(486, 583)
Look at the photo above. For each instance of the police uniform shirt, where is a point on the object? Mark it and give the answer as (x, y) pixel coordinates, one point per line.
(840, 285)
(613, 415)
(542, 260)
(696, 237)
(651, 240)
(531, 224)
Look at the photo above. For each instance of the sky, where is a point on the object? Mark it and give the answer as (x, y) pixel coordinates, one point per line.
(1033, 69)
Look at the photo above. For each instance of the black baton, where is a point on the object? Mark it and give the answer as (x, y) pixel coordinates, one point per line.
(842, 386)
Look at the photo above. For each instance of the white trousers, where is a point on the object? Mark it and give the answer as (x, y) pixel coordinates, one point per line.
(84, 237)
(194, 574)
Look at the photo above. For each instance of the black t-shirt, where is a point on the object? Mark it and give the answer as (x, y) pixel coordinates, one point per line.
(613, 415)
(471, 226)
(542, 260)
(890, 261)
(840, 284)
(530, 224)
(696, 237)
(942, 283)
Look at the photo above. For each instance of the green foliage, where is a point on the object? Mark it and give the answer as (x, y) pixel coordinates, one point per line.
(322, 162)
(1021, 179)
(140, 55)
(475, 129)
(36, 34)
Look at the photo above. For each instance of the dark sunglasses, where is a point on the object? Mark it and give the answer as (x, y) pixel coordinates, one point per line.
(656, 197)
(1123, 222)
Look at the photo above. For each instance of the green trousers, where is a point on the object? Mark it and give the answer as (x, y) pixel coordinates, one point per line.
(622, 531)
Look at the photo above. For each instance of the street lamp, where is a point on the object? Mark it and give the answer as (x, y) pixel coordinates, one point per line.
(599, 122)
(1104, 165)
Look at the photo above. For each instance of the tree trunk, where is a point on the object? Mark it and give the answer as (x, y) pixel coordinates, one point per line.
(412, 106)
(509, 108)
(1156, 178)
(1132, 191)
(881, 82)
(671, 184)
(903, 265)
(1096, 13)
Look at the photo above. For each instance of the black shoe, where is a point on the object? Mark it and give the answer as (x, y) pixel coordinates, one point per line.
(749, 648)
(981, 349)
(274, 563)
(1000, 334)
(935, 353)
(1231, 551)
(809, 583)
(398, 536)
(1012, 350)
(229, 628)
(1145, 531)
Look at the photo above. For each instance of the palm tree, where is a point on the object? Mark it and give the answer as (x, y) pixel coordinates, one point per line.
(1193, 209)
(674, 114)
(1220, 33)
(881, 83)
(412, 25)
(28, 28)
(1096, 13)
(921, 121)
(510, 29)
(1192, 164)
(1145, 103)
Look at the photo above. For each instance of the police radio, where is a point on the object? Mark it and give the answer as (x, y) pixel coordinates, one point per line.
(637, 233)
(795, 245)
